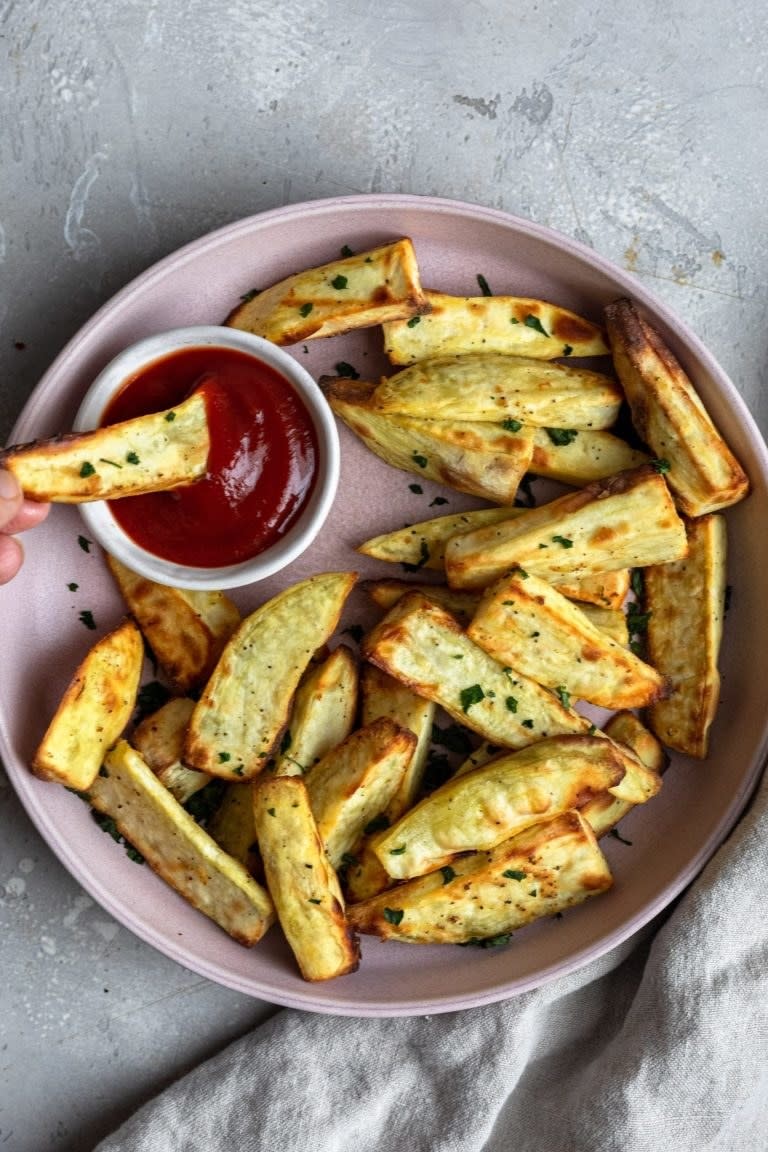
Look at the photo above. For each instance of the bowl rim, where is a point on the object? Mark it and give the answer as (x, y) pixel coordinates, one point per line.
(113, 538)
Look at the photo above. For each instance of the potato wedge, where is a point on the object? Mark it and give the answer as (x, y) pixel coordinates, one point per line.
(604, 589)
(386, 593)
(186, 630)
(543, 870)
(323, 713)
(605, 810)
(580, 457)
(356, 782)
(483, 754)
(148, 454)
(246, 702)
(669, 416)
(509, 325)
(483, 460)
(233, 828)
(159, 740)
(524, 622)
(486, 387)
(302, 881)
(422, 645)
(94, 710)
(382, 695)
(177, 848)
(626, 521)
(488, 805)
(610, 621)
(685, 627)
(355, 292)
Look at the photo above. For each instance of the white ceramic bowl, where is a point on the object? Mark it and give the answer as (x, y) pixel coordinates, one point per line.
(112, 537)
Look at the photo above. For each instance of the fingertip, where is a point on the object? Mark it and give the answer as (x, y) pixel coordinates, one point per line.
(27, 516)
(10, 497)
(11, 558)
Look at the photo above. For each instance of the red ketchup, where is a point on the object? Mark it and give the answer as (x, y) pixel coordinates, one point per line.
(261, 467)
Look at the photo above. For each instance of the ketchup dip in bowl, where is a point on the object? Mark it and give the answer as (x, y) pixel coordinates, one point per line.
(273, 466)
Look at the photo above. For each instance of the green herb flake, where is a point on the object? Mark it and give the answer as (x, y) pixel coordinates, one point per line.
(239, 770)
(447, 874)
(563, 541)
(314, 900)
(483, 285)
(511, 704)
(347, 370)
(592, 730)
(457, 656)
(527, 723)
(511, 425)
(393, 915)
(421, 461)
(250, 295)
(471, 695)
(514, 874)
(347, 251)
(224, 757)
(414, 320)
(398, 851)
(532, 321)
(87, 469)
(84, 543)
(561, 436)
(637, 621)
(170, 417)
(339, 282)
(73, 587)
(514, 320)
(438, 502)
(132, 458)
(663, 466)
(637, 582)
(563, 695)
(306, 309)
(567, 349)
(417, 489)
(271, 812)
(521, 572)
(86, 617)
(489, 941)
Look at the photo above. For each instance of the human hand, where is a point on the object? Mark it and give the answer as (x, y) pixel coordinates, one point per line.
(16, 514)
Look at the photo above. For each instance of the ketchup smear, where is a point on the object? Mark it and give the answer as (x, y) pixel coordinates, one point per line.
(261, 467)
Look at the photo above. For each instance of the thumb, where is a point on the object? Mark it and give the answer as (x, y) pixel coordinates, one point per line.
(10, 498)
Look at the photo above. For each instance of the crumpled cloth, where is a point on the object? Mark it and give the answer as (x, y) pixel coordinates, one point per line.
(660, 1044)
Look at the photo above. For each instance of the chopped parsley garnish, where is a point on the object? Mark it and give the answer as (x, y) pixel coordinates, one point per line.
(637, 621)
(393, 915)
(151, 697)
(306, 309)
(563, 695)
(347, 251)
(397, 851)
(132, 458)
(592, 730)
(314, 900)
(271, 812)
(339, 282)
(483, 285)
(489, 941)
(108, 825)
(527, 723)
(561, 436)
(84, 543)
(112, 463)
(224, 757)
(448, 874)
(563, 541)
(414, 320)
(356, 631)
(521, 572)
(86, 617)
(514, 874)
(73, 587)
(567, 349)
(637, 582)
(250, 295)
(378, 824)
(238, 771)
(87, 469)
(511, 425)
(663, 466)
(532, 321)
(347, 370)
(511, 704)
(420, 460)
(170, 417)
(417, 488)
(457, 656)
(437, 502)
(471, 695)
(514, 320)
(423, 558)
(618, 836)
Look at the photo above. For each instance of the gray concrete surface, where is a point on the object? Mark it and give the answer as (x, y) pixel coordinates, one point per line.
(127, 129)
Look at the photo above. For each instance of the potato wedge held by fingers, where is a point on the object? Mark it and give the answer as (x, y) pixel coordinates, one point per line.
(486, 387)
(355, 292)
(685, 602)
(481, 808)
(626, 521)
(323, 713)
(605, 810)
(177, 848)
(669, 416)
(581, 457)
(525, 622)
(356, 781)
(94, 710)
(485, 460)
(159, 740)
(185, 629)
(148, 454)
(246, 702)
(302, 881)
(509, 325)
(547, 868)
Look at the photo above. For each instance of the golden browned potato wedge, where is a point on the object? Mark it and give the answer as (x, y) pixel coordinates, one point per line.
(185, 629)
(422, 645)
(302, 881)
(386, 593)
(159, 740)
(246, 702)
(685, 627)
(233, 828)
(494, 388)
(485, 460)
(581, 457)
(611, 621)
(627, 521)
(526, 623)
(94, 710)
(509, 325)
(669, 416)
(483, 807)
(356, 781)
(148, 454)
(356, 292)
(323, 713)
(177, 848)
(543, 870)
(484, 753)
(604, 589)
(382, 695)
(605, 810)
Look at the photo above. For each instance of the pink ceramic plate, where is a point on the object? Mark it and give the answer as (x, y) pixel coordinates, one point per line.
(43, 637)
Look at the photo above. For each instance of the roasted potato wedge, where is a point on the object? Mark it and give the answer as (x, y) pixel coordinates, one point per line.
(484, 460)
(484, 753)
(386, 593)
(545, 869)
(159, 740)
(246, 702)
(422, 645)
(301, 879)
(669, 416)
(185, 629)
(604, 589)
(148, 454)
(356, 782)
(94, 710)
(508, 325)
(177, 848)
(524, 622)
(494, 388)
(488, 805)
(626, 521)
(355, 292)
(605, 810)
(685, 627)
(579, 457)
(323, 713)
(233, 828)
(423, 544)
(382, 695)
